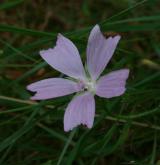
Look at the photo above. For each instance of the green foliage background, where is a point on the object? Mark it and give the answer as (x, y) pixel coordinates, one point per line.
(126, 129)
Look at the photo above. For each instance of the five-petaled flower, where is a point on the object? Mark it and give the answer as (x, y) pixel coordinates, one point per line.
(65, 58)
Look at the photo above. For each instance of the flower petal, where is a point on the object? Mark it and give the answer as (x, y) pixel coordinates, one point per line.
(53, 87)
(65, 58)
(99, 51)
(112, 84)
(81, 110)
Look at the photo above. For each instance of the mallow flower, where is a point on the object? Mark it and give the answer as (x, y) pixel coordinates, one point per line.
(87, 82)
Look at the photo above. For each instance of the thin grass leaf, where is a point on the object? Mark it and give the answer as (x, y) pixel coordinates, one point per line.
(120, 141)
(23, 130)
(107, 138)
(125, 11)
(153, 156)
(135, 116)
(17, 51)
(5, 154)
(13, 29)
(147, 80)
(66, 147)
(77, 148)
(54, 133)
(32, 71)
(10, 4)
(17, 109)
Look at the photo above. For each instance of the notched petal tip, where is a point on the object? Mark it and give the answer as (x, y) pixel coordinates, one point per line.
(96, 27)
(61, 39)
(45, 52)
(94, 31)
(117, 37)
(29, 88)
(59, 35)
(89, 126)
(126, 71)
(81, 124)
(41, 52)
(34, 98)
(114, 39)
(67, 130)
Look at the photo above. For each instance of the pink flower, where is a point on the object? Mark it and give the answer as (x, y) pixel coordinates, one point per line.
(65, 58)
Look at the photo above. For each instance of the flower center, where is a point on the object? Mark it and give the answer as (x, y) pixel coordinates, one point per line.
(90, 86)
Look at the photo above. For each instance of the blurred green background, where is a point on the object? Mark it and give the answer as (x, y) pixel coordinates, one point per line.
(126, 129)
